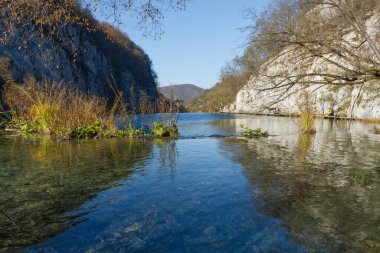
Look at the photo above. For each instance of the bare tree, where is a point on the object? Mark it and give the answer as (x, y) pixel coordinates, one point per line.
(49, 15)
(323, 43)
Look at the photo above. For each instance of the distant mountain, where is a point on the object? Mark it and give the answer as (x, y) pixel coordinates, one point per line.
(184, 92)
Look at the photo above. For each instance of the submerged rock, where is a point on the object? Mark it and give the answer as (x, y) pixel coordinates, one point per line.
(210, 232)
(133, 228)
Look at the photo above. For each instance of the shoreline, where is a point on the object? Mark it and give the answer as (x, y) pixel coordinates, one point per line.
(318, 116)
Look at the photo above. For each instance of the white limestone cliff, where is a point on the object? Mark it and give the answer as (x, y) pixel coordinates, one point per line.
(357, 101)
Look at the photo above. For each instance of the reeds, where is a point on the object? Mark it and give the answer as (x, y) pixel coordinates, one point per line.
(161, 118)
(64, 112)
(307, 121)
(56, 109)
(307, 113)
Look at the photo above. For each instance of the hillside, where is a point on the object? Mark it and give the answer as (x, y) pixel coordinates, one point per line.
(212, 100)
(232, 78)
(184, 92)
(339, 69)
(91, 60)
(317, 56)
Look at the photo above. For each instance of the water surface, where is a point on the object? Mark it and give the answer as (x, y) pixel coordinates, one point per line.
(206, 192)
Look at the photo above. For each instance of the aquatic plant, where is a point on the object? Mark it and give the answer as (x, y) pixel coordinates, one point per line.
(131, 133)
(86, 131)
(252, 133)
(3, 123)
(306, 107)
(376, 130)
(307, 121)
(159, 118)
(160, 130)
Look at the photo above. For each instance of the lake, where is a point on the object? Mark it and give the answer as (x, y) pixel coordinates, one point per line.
(205, 192)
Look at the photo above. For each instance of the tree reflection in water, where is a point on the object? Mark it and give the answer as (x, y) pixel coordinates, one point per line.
(324, 188)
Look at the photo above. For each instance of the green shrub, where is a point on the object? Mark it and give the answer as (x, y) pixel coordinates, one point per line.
(252, 133)
(160, 130)
(3, 123)
(89, 131)
(131, 133)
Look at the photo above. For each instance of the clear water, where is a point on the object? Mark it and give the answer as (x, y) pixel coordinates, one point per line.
(206, 192)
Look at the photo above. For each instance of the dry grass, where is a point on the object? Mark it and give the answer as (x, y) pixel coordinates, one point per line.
(307, 121)
(56, 109)
(64, 112)
(160, 117)
(376, 130)
(307, 113)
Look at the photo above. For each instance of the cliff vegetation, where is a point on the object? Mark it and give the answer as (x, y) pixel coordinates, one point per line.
(64, 73)
(329, 49)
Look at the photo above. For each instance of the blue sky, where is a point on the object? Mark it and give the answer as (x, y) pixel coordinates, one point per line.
(197, 42)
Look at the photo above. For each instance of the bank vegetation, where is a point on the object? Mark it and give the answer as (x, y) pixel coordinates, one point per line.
(64, 112)
(80, 78)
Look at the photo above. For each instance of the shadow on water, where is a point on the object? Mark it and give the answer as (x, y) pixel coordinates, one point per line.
(41, 180)
(325, 189)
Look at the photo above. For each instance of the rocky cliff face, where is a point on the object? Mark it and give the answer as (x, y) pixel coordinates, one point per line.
(261, 96)
(89, 61)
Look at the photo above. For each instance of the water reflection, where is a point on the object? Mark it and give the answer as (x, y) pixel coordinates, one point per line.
(286, 193)
(41, 179)
(204, 206)
(305, 143)
(167, 154)
(324, 188)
